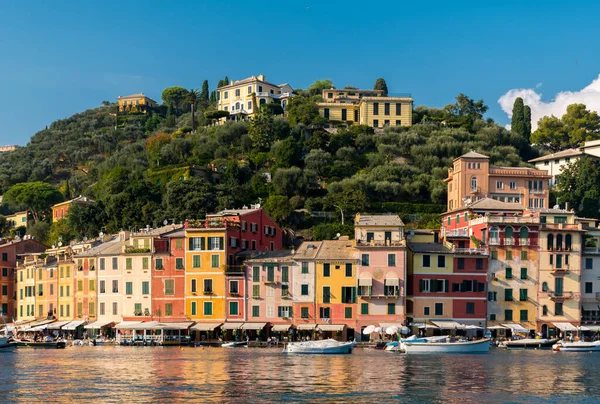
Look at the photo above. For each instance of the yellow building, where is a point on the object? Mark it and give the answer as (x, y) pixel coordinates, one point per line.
(335, 288)
(66, 279)
(237, 96)
(136, 103)
(26, 288)
(17, 219)
(366, 107)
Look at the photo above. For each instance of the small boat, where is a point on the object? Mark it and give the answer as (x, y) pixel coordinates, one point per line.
(322, 347)
(529, 343)
(7, 343)
(445, 345)
(579, 346)
(41, 344)
(238, 344)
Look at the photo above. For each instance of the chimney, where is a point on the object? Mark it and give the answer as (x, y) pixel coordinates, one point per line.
(566, 205)
(261, 77)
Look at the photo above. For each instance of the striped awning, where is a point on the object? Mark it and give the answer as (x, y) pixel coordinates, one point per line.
(232, 326)
(253, 326)
(73, 325)
(565, 326)
(281, 327)
(205, 326)
(516, 327)
(448, 325)
(57, 325)
(331, 327)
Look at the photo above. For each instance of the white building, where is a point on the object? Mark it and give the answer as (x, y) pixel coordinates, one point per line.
(554, 163)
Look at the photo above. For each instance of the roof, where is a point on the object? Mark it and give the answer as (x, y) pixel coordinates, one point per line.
(139, 95)
(489, 203)
(381, 98)
(308, 250)
(474, 155)
(233, 212)
(159, 231)
(245, 81)
(112, 247)
(379, 220)
(80, 199)
(273, 256)
(429, 248)
(552, 210)
(336, 250)
(560, 154)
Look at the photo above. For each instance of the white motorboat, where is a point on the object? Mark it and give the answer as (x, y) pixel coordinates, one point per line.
(445, 345)
(395, 346)
(322, 347)
(238, 344)
(7, 343)
(529, 343)
(579, 346)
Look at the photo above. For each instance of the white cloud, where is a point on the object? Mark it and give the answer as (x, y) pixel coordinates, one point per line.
(589, 95)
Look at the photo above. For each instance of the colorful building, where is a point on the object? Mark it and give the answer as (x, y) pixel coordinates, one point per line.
(304, 276)
(590, 278)
(60, 210)
(366, 107)
(66, 290)
(237, 97)
(471, 178)
(85, 299)
(17, 219)
(335, 288)
(136, 103)
(380, 250)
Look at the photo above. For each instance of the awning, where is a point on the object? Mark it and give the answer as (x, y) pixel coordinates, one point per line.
(73, 325)
(253, 326)
(41, 322)
(96, 325)
(392, 282)
(496, 327)
(206, 326)
(331, 327)
(448, 325)
(176, 326)
(306, 326)
(387, 325)
(148, 325)
(365, 282)
(281, 327)
(38, 328)
(232, 326)
(422, 325)
(57, 325)
(516, 327)
(595, 328)
(127, 325)
(565, 326)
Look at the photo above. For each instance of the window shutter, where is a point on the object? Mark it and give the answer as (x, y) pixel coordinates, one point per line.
(343, 294)
(446, 286)
(433, 286)
(353, 295)
(421, 285)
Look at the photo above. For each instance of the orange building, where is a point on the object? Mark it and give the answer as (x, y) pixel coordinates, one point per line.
(472, 177)
(60, 210)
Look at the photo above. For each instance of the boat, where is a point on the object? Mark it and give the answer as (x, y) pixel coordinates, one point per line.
(529, 343)
(321, 347)
(238, 344)
(7, 343)
(41, 344)
(579, 346)
(394, 346)
(445, 345)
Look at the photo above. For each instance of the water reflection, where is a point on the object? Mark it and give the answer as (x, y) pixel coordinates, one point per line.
(265, 375)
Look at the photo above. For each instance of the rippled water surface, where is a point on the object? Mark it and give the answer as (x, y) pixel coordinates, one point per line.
(169, 374)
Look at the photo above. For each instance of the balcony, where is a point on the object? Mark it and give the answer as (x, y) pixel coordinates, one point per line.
(161, 246)
(565, 269)
(214, 223)
(591, 250)
(475, 190)
(470, 251)
(233, 269)
(495, 241)
(537, 191)
(561, 296)
(380, 243)
(208, 291)
(562, 226)
(524, 242)
(457, 233)
(271, 279)
(593, 298)
(134, 250)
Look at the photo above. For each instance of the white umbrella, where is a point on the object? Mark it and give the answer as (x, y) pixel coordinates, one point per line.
(369, 329)
(391, 330)
(377, 329)
(405, 330)
(497, 327)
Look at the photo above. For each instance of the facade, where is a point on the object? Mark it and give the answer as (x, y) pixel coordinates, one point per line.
(136, 103)
(590, 279)
(304, 276)
(472, 178)
(366, 107)
(60, 210)
(238, 97)
(66, 288)
(168, 277)
(335, 288)
(380, 250)
(555, 163)
(85, 296)
(17, 219)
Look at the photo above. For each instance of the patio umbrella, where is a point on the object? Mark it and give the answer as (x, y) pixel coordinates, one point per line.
(391, 330)
(369, 329)
(377, 329)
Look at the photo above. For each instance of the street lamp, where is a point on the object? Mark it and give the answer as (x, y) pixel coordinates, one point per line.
(341, 212)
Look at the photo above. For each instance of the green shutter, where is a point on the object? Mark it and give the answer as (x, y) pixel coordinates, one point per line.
(353, 294)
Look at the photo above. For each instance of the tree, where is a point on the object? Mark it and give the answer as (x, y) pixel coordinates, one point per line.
(39, 230)
(204, 93)
(175, 97)
(261, 131)
(193, 96)
(517, 123)
(527, 117)
(36, 197)
(86, 220)
(575, 127)
(551, 133)
(304, 110)
(318, 86)
(319, 161)
(579, 185)
(279, 208)
(189, 199)
(286, 152)
(380, 84)
(465, 111)
(286, 181)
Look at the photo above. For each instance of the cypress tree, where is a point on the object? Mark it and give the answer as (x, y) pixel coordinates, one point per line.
(527, 119)
(517, 124)
(204, 93)
(380, 84)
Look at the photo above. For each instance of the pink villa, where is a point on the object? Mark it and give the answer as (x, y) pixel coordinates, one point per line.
(381, 272)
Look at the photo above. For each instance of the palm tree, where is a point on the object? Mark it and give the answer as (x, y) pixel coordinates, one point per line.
(192, 97)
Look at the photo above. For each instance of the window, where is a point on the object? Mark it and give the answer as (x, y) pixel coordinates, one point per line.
(326, 294)
(79, 286)
(558, 260)
(304, 289)
(255, 311)
(344, 114)
(499, 185)
(375, 108)
(233, 287)
(4, 256)
(492, 317)
(158, 263)
(398, 109)
(325, 312)
(348, 294)
(426, 311)
(439, 309)
(544, 310)
(473, 183)
(178, 263)
(460, 263)
(145, 288)
(512, 185)
(424, 285)
(129, 288)
(347, 312)
(589, 287)
(168, 309)
(522, 295)
(4, 290)
(214, 261)
(545, 287)
(233, 308)
(193, 308)
(523, 255)
(391, 308)
(196, 243)
(115, 308)
(523, 315)
(256, 291)
(508, 315)
(494, 254)
(102, 309)
(237, 92)
(589, 263)
(305, 267)
(102, 286)
(470, 308)
(523, 273)
(304, 312)
(285, 271)
(441, 261)
(558, 309)
(326, 270)
(208, 285)
(128, 263)
(449, 219)
(375, 123)
(115, 286)
(102, 264)
(492, 296)
(508, 273)
(426, 261)
(169, 287)
(255, 274)
(90, 286)
(391, 260)
(479, 263)
(349, 270)
(509, 255)
(508, 295)
(364, 308)
(326, 113)
(115, 263)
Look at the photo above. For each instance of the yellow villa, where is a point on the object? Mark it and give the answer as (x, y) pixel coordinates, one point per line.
(136, 103)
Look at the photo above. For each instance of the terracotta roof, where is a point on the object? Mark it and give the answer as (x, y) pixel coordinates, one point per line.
(308, 250)
(159, 231)
(336, 250)
(489, 203)
(474, 155)
(560, 154)
(273, 256)
(429, 248)
(139, 95)
(112, 247)
(231, 212)
(80, 199)
(379, 220)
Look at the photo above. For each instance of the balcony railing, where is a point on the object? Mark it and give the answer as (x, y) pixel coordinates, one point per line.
(562, 270)
(379, 243)
(208, 291)
(524, 242)
(161, 246)
(216, 223)
(591, 250)
(561, 295)
(233, 269)
(457, 233)
(594, 297)
(494, 241)
(471, 251)
(269, 279)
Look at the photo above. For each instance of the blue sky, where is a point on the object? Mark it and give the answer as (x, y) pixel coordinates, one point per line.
(59, 58)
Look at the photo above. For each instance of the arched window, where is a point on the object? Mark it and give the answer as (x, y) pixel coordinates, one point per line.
(237, 105)
(545, 287)
(262, 101)
(568, 242)
(508, 235)
(524, 235)
(550, 242)
(559, 241)
(544, 310)
(494, 236)
(473, 183)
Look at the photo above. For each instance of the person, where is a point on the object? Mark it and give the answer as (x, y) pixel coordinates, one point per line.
(572, 337)
(268, 341)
